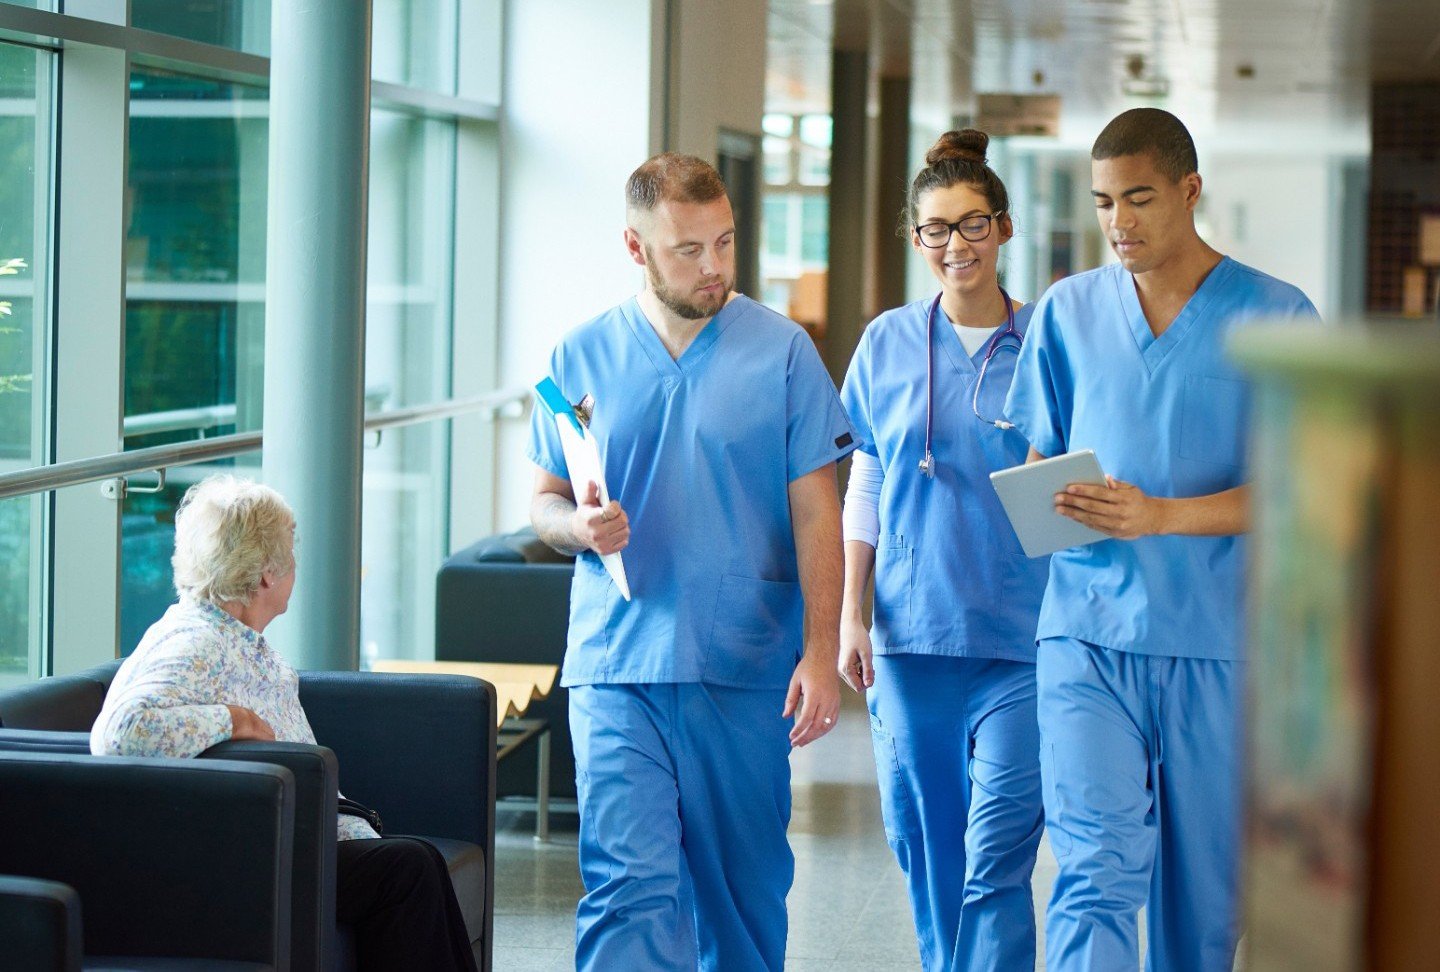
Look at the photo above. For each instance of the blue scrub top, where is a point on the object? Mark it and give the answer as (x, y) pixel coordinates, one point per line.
(950, 577)
(700, 453)
(1168, 414)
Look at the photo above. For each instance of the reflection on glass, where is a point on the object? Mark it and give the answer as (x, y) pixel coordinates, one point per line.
(24, 327)
(243, 25)
(413, 42)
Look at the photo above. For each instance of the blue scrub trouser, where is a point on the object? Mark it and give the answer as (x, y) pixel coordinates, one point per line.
(1141, 759)
(684, 793)
(957, 751)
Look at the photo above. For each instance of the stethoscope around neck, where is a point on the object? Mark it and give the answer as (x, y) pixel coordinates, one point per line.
(927, 464)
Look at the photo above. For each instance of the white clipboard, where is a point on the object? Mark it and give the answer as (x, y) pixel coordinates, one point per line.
(582, 461)
(1028, 494)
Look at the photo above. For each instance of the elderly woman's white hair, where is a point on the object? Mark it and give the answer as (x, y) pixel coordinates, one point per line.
(229, 531)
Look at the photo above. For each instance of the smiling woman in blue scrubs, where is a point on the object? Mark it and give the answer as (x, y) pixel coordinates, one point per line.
(1140, 665)
(948, 669)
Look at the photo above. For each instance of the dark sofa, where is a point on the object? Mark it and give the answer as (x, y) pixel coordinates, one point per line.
(506, 598)
(380, 729)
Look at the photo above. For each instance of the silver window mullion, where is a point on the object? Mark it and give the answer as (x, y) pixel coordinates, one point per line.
(89, 339)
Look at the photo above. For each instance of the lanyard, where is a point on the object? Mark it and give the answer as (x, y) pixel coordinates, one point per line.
(927, 464)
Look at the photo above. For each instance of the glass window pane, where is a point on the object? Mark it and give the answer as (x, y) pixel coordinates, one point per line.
(815, 230)
(407, 362)
(776, 228)
(413, 42)
(243, 25)
(407, 313)
(777, 160)
(403, 541)
(25, 166)
(781, 126)
(194, 299)
(814, 166)
(816, 130)
(195, 258)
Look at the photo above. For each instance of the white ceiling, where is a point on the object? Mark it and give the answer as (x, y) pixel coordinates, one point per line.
(1310, 63)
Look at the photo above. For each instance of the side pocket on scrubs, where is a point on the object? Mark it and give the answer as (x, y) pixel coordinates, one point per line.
(1211, 415)
(897, 808)
(894, 584)
(755, 639)
(590, 596)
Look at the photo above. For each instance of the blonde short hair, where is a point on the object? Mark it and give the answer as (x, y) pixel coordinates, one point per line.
(229, 531)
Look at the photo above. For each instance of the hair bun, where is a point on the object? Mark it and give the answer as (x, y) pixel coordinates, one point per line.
(966, 145)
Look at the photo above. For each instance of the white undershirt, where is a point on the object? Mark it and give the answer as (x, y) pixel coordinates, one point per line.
(973, 338)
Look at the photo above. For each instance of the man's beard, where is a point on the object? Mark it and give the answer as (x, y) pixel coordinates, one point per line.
(690, 308)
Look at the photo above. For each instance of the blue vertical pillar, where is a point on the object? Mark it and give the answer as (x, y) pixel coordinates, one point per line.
(315, 313)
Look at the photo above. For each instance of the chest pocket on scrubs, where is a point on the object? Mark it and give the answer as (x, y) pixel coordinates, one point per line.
(1211, 413)
(894, 587)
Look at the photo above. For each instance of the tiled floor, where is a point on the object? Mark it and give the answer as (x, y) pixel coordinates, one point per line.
(848, 908)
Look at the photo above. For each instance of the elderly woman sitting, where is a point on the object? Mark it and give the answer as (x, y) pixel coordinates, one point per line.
(204, 673)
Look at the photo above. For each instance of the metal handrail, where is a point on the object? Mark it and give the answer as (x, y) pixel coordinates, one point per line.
(180, 420)
(76, 472)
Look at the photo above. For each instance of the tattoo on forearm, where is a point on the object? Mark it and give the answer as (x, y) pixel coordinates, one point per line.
(550, 514)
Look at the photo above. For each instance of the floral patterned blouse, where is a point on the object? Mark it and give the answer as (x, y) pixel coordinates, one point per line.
(169, 697)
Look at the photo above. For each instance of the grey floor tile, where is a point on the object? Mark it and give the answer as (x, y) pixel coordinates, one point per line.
(513, 959)
(848, 907)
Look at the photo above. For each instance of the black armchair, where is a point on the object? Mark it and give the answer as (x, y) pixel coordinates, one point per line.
(418, 748)
(477, 593)
(42, 925)
(216, 838)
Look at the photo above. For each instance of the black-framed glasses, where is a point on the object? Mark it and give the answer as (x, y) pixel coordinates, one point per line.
(972, 228)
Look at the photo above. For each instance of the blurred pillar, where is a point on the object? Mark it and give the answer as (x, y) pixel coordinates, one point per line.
(315, 314)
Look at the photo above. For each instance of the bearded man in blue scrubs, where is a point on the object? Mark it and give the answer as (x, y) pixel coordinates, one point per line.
(719, 430)
(1140, 661)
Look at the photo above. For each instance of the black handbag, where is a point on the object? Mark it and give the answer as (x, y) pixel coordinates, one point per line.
(353, 809)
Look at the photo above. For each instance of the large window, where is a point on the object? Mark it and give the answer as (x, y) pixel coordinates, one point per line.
(240, 24)
(175, 144)
(795, 227)
(25, 140)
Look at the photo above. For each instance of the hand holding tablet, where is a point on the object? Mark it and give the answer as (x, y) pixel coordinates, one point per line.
(1028, 495)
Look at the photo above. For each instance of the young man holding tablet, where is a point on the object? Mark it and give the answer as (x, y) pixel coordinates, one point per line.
(1140, 665)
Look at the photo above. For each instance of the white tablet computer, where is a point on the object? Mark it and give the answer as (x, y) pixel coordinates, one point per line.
(1028, 495)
